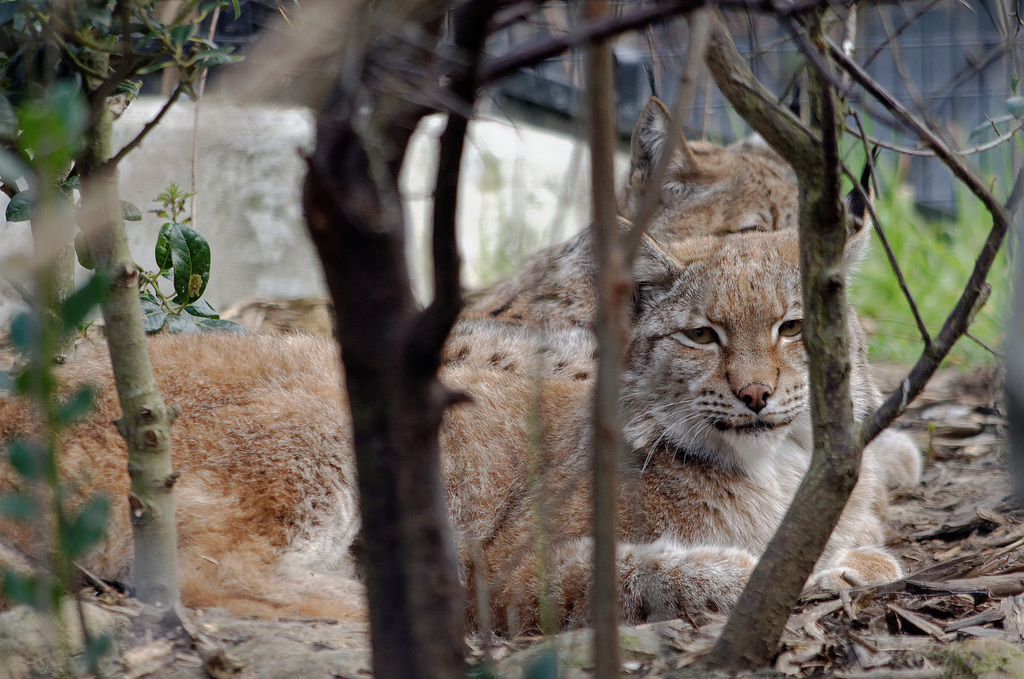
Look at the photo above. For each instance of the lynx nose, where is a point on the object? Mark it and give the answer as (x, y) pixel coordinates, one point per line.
(755, 396)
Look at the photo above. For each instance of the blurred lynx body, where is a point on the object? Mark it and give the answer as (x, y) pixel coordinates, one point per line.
(717, 430)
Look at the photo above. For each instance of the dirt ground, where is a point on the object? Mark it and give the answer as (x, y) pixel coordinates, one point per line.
(960, 613)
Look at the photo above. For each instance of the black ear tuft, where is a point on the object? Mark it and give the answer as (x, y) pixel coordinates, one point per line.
(855, 199)
(649, 71)
(794, 102)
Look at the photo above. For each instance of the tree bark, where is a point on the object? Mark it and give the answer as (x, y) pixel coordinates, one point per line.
(391, 350)
(613, 288)
(750, 637)
(146, 421)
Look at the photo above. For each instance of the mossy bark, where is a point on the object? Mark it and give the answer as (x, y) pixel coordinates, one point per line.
(750, 637)
(146, 420)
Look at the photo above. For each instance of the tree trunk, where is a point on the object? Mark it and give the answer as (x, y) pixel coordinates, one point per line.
(416, 610)
(146, 421)
(750, 637)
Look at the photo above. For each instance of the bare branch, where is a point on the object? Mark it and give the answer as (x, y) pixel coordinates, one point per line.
(928, 153)
(956, 323)
(434, 324)
(130, 146)
(613, 288)
(880, 230)
(773, 121)
(699, 29)
(958, 320)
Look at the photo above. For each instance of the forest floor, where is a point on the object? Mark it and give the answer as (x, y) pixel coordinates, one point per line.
(960, 613)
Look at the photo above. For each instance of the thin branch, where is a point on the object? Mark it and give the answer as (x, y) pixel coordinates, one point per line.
(889, 254)
(130, 146)
(435, 322)
(613, 287)
(899, 31)
(774, 122)
(959, 318)
(652, 195)
(657, 12)
(964, 173)
(928, 153)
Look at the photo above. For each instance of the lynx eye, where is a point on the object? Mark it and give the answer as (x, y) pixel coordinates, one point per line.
(703, 335)
(791, 328)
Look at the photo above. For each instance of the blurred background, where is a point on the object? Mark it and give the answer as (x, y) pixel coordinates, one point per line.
(953, 63)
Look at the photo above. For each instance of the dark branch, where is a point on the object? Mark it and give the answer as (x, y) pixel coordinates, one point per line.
(775, 122)
(130, 146)
(436, 321)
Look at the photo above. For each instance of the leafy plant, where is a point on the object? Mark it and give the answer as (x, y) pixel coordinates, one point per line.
(183, 257)
(40, 495)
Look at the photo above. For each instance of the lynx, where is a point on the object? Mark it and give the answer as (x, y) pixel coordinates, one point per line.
(708, 189)
(716, 422)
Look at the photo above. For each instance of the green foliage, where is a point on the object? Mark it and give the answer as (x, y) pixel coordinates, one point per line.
(59, 64)
(936, 256)
(39, 493)
(183, 256)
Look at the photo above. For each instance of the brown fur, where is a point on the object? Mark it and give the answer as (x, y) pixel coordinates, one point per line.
(266, 499)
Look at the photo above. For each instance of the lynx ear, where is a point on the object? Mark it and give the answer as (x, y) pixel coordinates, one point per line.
(649, 139)
(654, 266)
(655, 269)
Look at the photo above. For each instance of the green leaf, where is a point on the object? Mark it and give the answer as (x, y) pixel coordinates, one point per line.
(18, 506)
(181, 34)
(163, 247)
(153, 316)
(53, 127)
(178, 325)
(78, 406)
(130, 212)
(190, 253)
(82, 251)
(21, 208)
(25, 332)
(220, 325)
(28, 458)
(153, 68)
(19, 587)
(216, 56)
(12, 167)
(76, 307)
(86, 530)
(72, 183)
(8, 118)
(1015, 105)
(9, 9)
(202, 308)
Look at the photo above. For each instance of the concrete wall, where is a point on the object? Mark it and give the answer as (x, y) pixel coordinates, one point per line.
(523, 187)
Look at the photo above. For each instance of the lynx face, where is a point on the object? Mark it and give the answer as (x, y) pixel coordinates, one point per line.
(717, 366)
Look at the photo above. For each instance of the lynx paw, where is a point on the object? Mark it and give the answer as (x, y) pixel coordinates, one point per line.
(857, 568)
(898, 458)
(665, 579)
